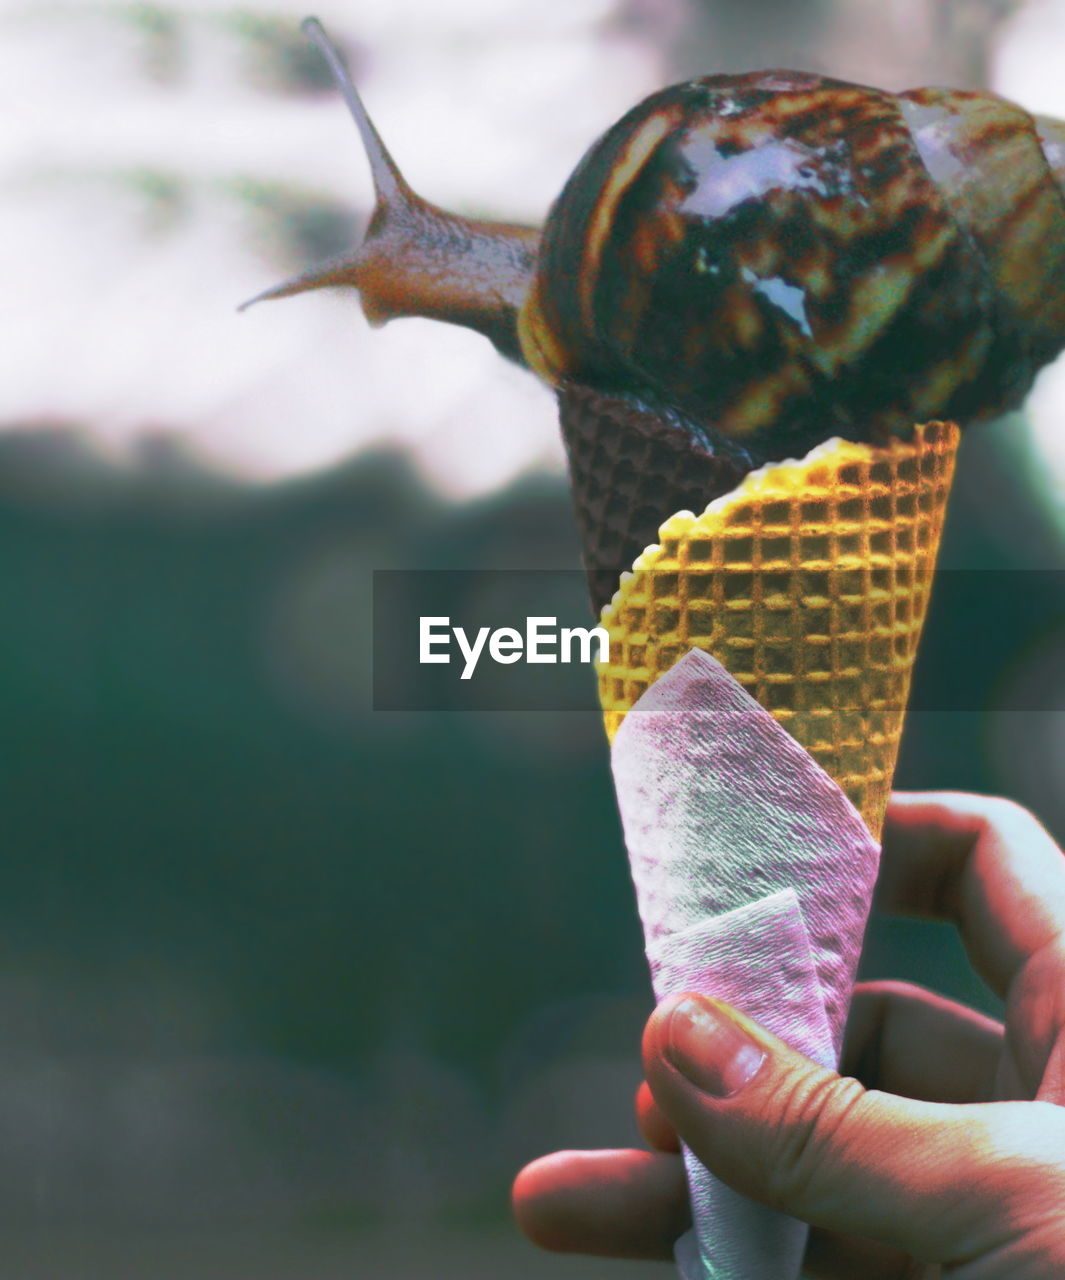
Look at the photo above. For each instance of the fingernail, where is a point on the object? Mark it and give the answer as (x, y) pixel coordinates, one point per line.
(704, 1044)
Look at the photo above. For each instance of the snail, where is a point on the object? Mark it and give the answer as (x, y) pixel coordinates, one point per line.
(754, 263)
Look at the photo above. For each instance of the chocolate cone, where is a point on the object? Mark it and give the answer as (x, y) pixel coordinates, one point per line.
(630, 467)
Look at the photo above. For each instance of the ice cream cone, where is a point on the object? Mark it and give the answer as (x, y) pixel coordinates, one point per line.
(809, 582)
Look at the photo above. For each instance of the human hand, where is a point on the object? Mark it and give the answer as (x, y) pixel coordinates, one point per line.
(904, 1171)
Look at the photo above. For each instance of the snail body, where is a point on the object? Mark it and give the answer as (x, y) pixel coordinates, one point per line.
(771, 258)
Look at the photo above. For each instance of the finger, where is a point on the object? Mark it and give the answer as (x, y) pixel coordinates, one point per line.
(654, 1126)
(987, 865)
(607, 1203)
(941, 1183)
(613, 1204)
(1051, 1087)
(610, 1204)
(828, 1256)
(1035, 1029)
(835, 1257)
(908, 1041)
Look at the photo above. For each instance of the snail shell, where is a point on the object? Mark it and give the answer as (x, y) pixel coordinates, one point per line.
(788, 257)
(770, 259)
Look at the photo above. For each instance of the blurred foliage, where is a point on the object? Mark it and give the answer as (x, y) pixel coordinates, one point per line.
(175, 799)
(163, 39)
(173, 804)
(295, 225)
(280, 57)
(935, 41)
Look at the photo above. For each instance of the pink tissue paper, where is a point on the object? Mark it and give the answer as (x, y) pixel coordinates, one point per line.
(753, 875)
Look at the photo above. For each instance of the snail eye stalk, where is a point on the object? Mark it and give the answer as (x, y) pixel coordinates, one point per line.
(417, 259)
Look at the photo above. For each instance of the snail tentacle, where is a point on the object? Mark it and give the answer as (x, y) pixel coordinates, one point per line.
(417, 259)
(389, 183)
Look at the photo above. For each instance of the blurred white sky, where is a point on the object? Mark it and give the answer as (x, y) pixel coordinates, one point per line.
(119, 294)
(119, 312)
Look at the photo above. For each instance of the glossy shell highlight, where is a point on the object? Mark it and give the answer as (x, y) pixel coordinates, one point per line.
(783, 257)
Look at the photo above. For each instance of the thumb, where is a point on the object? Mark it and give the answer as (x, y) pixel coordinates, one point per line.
(941, 1182)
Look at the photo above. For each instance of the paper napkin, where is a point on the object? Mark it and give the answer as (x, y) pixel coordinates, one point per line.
(753, 875)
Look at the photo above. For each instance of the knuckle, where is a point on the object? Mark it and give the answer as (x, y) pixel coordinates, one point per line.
(1026, 1139)
(1006, 817)
(972, 812)
(810, 1120)
(1014, 1153)
(1037, 989)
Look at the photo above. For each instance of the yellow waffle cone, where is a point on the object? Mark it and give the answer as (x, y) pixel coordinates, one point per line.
(810, 583)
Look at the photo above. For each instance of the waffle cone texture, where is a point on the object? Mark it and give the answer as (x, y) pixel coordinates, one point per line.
(810, 583)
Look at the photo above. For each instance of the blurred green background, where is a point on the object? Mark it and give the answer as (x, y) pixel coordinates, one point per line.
(290, 987)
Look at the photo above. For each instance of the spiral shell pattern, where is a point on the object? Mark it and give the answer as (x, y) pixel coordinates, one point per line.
(782, 256)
